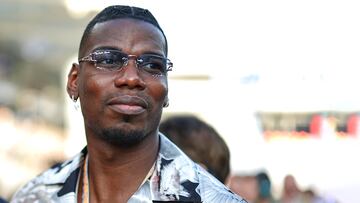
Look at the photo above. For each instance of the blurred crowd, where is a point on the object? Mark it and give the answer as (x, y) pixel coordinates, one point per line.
(187, 131)
(27, 147)
(258, 189)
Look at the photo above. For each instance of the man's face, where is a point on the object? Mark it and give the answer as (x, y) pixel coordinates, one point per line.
(126, 104)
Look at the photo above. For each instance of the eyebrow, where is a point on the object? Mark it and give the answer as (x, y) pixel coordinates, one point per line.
(106, 48)
(120, 50)
(154, 53)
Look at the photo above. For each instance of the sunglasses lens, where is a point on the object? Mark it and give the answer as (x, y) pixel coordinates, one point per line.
(152, 64)
(109, 60)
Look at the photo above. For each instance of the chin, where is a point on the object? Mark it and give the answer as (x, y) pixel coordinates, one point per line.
(122, 138)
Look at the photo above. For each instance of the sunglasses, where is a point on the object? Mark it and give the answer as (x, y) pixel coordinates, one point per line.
(113, 60)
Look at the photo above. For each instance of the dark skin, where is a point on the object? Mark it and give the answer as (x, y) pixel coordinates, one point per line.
(115, 172)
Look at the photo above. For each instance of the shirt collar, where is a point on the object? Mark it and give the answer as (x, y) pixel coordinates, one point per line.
(174, 178)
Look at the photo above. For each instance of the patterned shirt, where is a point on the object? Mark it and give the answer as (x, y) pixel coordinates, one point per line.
(176, 178)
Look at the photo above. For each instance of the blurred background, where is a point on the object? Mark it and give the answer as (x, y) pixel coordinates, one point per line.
(277, 79)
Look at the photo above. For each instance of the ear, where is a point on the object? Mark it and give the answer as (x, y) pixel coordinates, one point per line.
(72, 83)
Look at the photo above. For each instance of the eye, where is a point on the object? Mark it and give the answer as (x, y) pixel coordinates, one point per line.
(109, 60)
(152, 64)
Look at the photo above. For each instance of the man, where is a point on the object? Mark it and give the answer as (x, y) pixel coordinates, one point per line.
(200, 142)
(121, 81)
(291, 192)
(264, 188)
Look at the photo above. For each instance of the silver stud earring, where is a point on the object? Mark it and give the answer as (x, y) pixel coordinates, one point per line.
(76, 105)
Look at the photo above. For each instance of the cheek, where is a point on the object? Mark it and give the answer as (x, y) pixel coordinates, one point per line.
(158, 91)
(92, 86)
(91, 91)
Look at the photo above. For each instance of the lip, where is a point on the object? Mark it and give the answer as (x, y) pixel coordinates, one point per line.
(127, 104)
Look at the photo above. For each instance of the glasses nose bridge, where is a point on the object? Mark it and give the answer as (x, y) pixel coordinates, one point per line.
(131, 57)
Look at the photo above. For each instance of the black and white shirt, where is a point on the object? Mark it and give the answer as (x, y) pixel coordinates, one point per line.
(176, 178)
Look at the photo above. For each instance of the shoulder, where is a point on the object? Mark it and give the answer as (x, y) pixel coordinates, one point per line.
(48, 183)
(186, 180)
(212, 190)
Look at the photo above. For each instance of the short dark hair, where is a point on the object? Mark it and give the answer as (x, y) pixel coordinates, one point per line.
(200, 142)
(118, 12)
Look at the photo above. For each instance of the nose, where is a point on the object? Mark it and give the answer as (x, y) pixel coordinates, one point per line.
(129, 76)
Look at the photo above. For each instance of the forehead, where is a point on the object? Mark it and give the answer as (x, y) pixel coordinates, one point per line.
(129, 35)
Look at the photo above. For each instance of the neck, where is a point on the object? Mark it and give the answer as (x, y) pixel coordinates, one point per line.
(116, 173)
